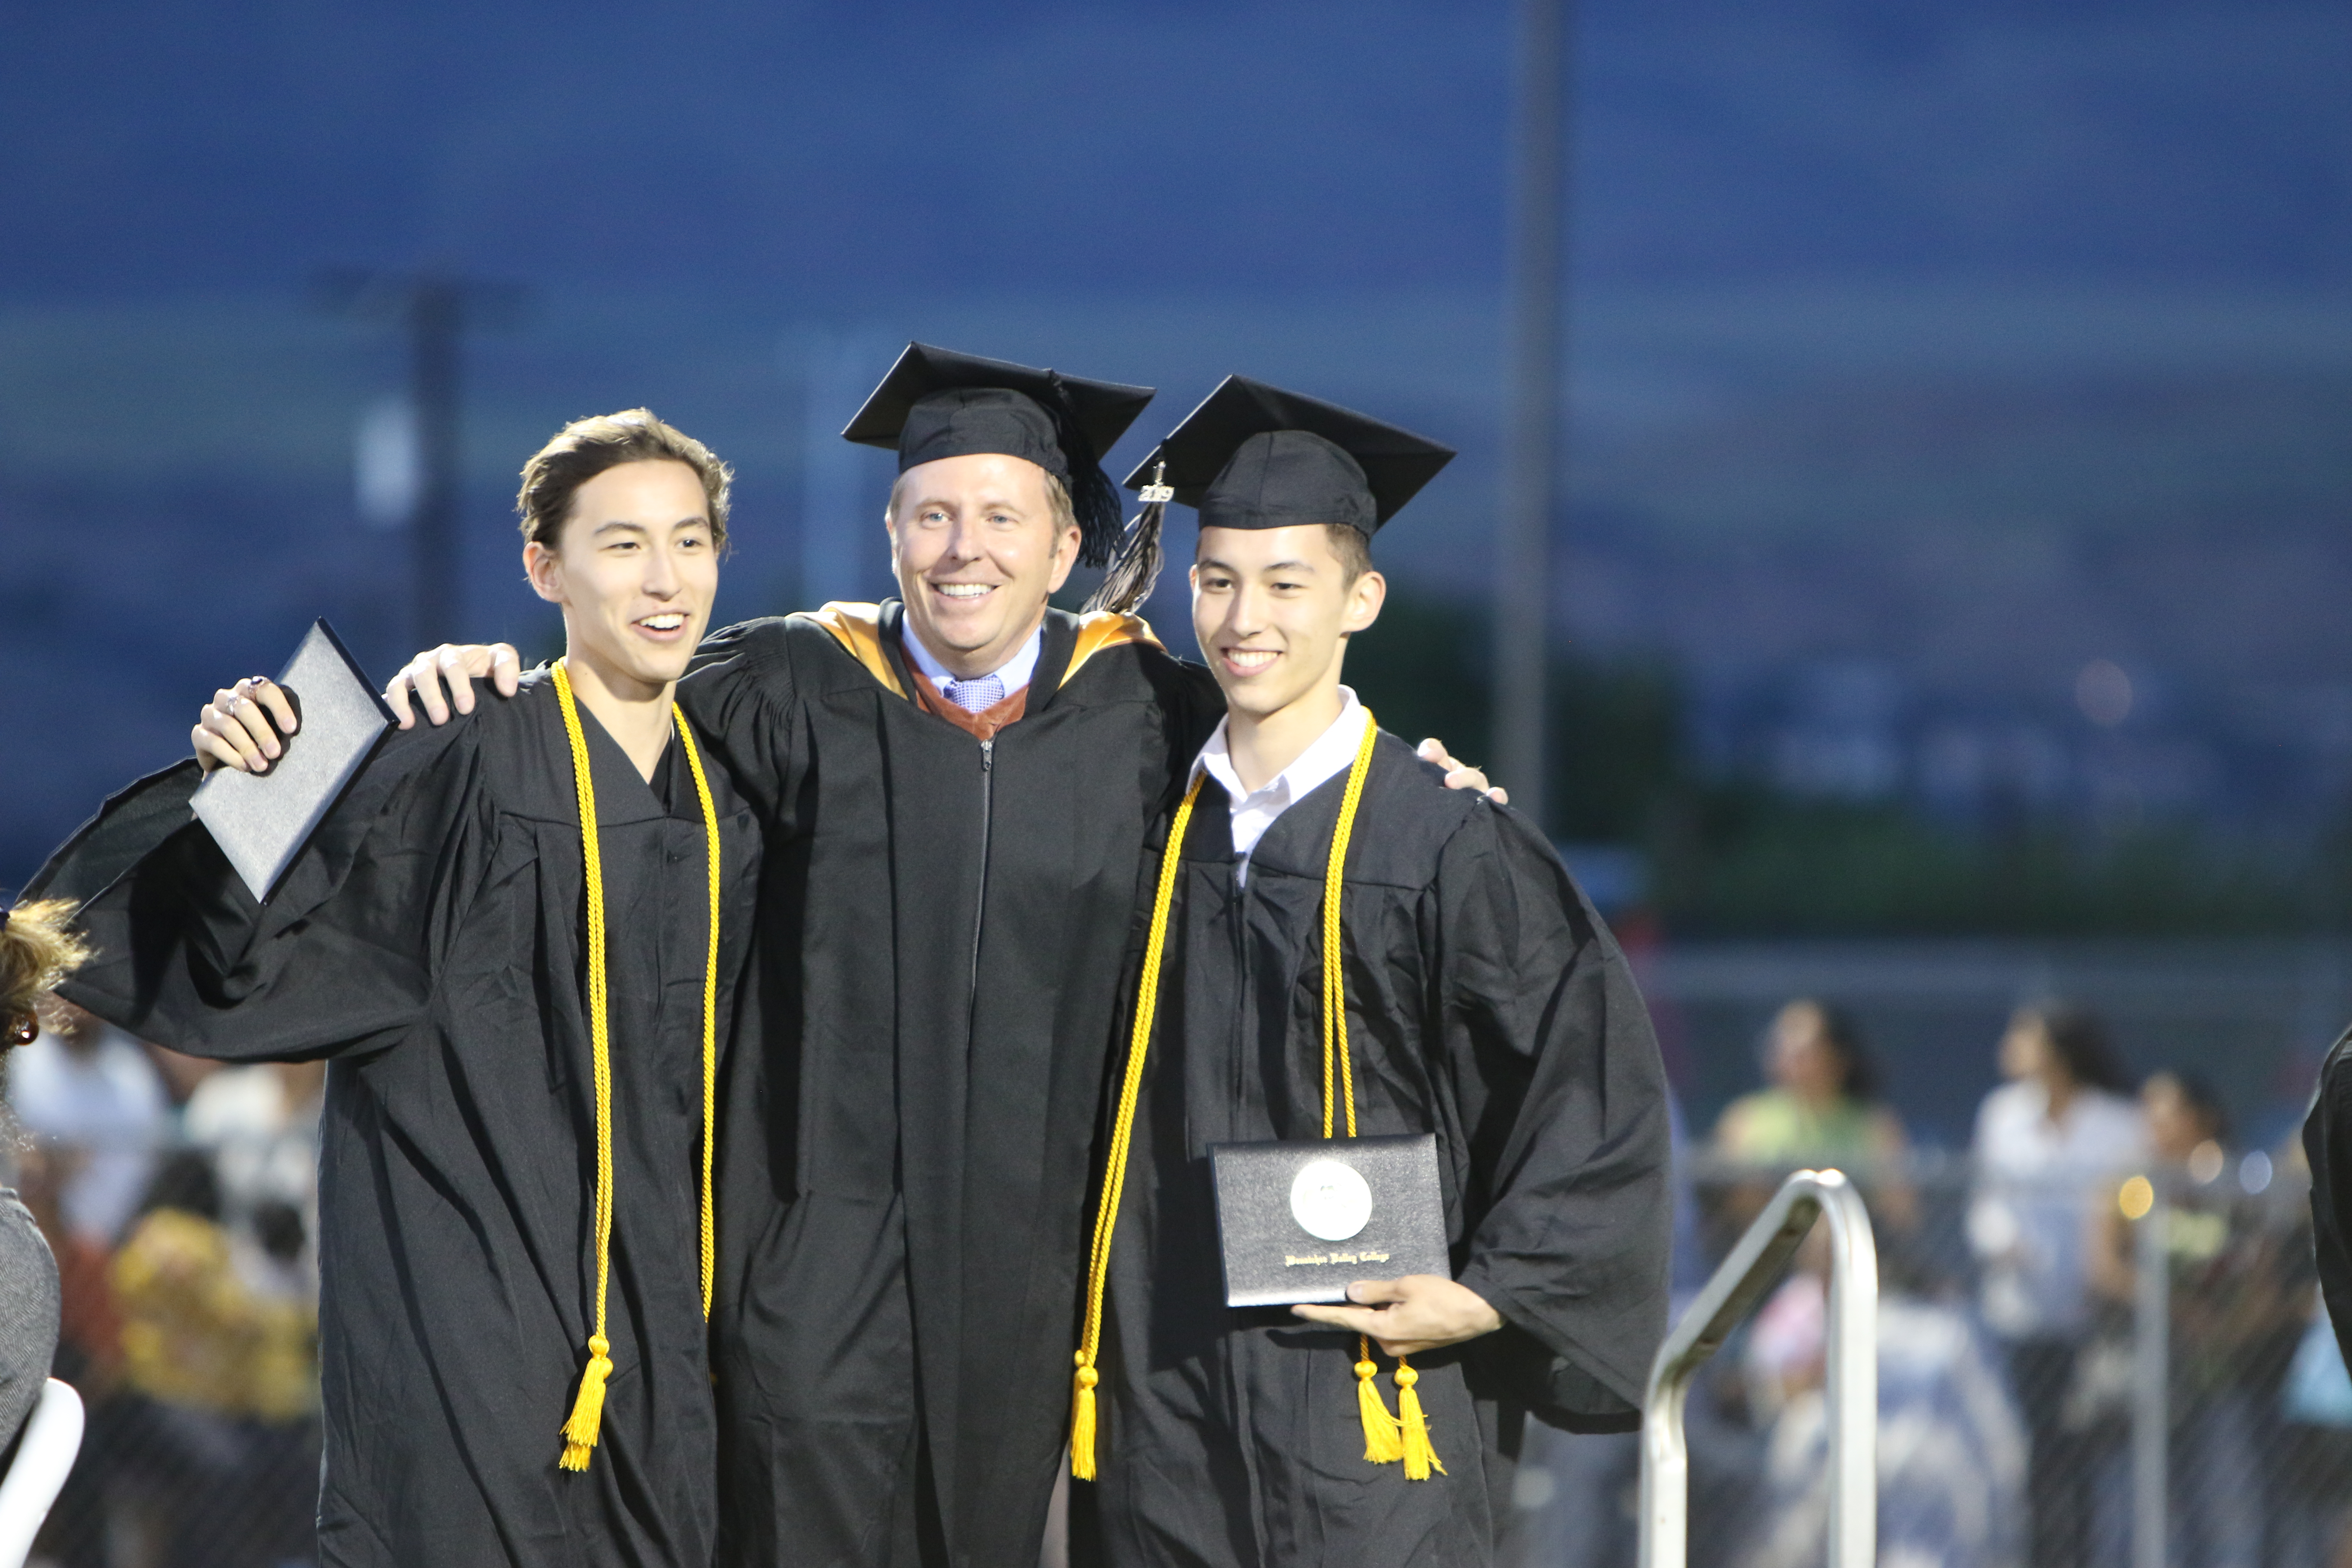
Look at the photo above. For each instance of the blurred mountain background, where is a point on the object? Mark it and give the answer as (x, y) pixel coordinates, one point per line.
(1957, 470)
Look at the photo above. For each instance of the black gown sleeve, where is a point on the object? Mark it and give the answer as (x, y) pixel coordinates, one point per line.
(1563, 1101)
(741, 692)
(2325, 1134)
(342, 957)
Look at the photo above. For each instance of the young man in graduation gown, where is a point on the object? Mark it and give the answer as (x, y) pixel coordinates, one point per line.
(516, 1247)
(955, 785)
(1483, 1003)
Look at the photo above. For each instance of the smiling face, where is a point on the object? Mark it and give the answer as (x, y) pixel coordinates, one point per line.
(1273, 609)
(978, 545)
(635, 572)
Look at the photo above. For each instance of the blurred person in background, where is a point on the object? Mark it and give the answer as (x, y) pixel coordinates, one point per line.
(37, 951)
(1822, 1100)
(214, 1444)
(1951, 1447)
(1821, 1108)
(260, 1124)
(2048, 1144)
(92, 1097)
(2237, 1295)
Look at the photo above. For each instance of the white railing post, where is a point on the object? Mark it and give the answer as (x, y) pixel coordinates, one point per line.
(1755, 1266)
(2151, 1413)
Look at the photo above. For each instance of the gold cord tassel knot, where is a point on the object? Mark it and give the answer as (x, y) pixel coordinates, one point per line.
(1082, 1420)
(1420, 1459)
(588, 1410)
(1383, 1437)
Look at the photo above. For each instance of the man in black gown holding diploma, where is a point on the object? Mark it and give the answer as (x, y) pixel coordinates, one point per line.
(516, 1247)
(955, 787)
(1483, 1002)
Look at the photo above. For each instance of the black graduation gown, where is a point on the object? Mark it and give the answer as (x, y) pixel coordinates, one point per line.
(944, 923)
(2325, 1134)
(1486, 1004)
(428, 942)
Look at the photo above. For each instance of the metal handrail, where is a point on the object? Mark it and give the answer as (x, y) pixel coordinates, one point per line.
(1756, 1264)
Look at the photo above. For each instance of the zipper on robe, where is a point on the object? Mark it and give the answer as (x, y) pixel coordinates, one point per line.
(980, 913)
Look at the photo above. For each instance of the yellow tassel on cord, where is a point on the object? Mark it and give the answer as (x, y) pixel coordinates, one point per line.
(1081, 1420)
(1420, 1459)
(587, 1417)
(588, 1410)
(1404, 1436)
(1383, 1437)
(1146, 1003)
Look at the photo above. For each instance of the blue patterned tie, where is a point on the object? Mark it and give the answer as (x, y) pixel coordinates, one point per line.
(976, 696)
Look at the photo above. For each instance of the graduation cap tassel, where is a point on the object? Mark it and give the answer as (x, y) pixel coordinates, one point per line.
(1420, 1459)
(1094, 500)
(1137, 569)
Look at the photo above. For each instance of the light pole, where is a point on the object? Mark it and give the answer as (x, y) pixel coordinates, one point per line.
(1532, 408)
(435, 309)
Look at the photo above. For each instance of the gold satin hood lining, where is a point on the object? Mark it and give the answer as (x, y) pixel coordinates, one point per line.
(857, 627)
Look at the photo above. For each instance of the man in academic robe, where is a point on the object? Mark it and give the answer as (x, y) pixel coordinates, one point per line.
(955, 786)
(2327, 1132)
(514, 1192)
(1483, 1003)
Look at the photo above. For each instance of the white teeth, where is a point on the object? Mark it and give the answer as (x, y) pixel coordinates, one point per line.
(1250, 658)
(963, 590)
(662, 622)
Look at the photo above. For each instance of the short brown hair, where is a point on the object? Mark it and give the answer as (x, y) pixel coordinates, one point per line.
(586, 447)
(1353, 546)
(37, 950)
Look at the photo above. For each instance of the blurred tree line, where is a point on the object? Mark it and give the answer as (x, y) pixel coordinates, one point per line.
(1735, 856)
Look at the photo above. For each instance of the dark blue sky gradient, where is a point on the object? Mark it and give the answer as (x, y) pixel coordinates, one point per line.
(1968, 340)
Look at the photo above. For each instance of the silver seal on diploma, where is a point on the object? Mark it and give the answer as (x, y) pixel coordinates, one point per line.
(1329, 1200)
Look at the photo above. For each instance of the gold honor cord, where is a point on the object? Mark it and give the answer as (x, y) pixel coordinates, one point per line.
(587, 1417)
(1386, 1439)
(1147, 1002)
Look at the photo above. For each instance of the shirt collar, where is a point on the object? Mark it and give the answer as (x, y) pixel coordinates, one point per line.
(1015, 672)
(1328, 756)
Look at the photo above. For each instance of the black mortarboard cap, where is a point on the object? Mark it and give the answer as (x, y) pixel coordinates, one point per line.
(1254, 455)
(936, 403)
(262, 820)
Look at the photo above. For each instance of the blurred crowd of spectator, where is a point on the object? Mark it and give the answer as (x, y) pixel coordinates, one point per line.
(178, 1197)
(2008, 1331)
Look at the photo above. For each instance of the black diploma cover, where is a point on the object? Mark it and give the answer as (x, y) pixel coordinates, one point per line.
(262, 820)
(1300, 1222)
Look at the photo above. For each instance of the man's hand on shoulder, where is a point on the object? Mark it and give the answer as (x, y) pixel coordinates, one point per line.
(1460, 774)
(460, 665)
(241, 726)
(1405, 1317)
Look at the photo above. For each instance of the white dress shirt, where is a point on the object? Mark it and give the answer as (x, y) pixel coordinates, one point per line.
(2036, 1180)
(1014, 671)
(1254, 811)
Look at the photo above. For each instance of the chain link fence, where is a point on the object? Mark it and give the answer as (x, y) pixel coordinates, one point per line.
(2191, 1411)
(2174, 1401)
